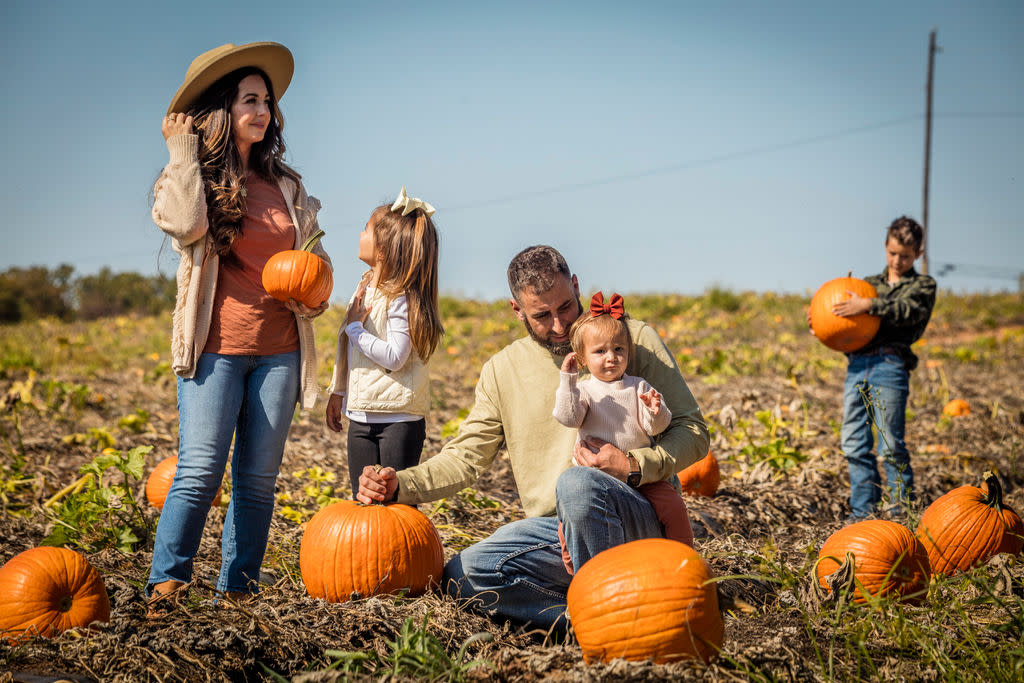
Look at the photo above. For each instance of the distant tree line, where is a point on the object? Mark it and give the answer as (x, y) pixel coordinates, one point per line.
(39, 292)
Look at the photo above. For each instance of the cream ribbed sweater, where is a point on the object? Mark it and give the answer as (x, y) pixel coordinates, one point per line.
(179, 209)
(610, 411)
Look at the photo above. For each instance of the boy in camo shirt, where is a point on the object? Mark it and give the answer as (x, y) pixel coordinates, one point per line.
(878, 376)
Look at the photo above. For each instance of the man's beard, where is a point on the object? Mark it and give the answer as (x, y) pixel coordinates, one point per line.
(559, 349)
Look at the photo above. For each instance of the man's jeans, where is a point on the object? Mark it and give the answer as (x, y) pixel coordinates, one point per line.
(517, 573)
(876, 393)
(252, 398)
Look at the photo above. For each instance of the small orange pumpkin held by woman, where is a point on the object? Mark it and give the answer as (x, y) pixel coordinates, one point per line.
(646, 599)
(351, 550)
(46, 591)
(967, 526)
(299, 274)
(840, 333)
(888, 560)
(702, 477)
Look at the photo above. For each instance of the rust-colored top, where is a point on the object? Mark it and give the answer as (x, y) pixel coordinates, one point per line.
(247, 320)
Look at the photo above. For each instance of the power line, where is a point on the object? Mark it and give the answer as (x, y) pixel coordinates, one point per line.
(686, 165)
(968, 269)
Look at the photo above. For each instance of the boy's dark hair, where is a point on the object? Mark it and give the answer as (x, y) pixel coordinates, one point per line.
(907, 232)
(536, 267)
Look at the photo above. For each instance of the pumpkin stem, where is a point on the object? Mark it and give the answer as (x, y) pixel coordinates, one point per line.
(312, 240)
(849, 273)
(995, 492)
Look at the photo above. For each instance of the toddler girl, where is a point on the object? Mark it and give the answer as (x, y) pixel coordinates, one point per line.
(392, 327)
(615, 407)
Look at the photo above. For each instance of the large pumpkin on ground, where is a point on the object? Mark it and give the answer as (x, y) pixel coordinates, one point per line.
(967, 526)
(647, 599)
(702, 477)
(350, 548)
(299, 274)
(839, 333)
(158, 483)
(45, 591)
(888, 560)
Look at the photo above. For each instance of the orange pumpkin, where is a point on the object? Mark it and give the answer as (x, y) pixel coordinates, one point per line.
(159, 483)
(349, 548)
(888, 560)
(299, 274)
(839, 333)
(702, 477)
(965, 527)
(647, 599)
(45, 591)
(1013, 534)
(957, 408)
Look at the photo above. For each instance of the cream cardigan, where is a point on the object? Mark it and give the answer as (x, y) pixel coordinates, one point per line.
(179, 209)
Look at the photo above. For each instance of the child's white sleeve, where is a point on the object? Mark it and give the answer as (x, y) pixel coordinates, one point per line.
(571, 404)
(652, 424)
(391, 353)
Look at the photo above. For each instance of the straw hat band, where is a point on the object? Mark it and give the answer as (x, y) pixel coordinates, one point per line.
(273, 59)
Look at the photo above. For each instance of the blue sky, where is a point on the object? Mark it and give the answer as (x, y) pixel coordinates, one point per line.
(661, 146)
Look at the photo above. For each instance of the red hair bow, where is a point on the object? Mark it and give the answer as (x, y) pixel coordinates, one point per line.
(614, 307)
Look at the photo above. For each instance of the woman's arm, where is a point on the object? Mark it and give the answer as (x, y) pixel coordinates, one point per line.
(179, 198)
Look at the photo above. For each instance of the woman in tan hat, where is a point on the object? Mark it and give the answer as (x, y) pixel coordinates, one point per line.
(243, 359)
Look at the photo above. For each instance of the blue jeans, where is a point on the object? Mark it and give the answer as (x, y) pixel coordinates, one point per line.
(517, 573)
(876, 393)
(252, 398)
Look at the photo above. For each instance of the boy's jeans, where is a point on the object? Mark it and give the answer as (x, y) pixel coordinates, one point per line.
(517, 573)
(252, 398)
(876, 392)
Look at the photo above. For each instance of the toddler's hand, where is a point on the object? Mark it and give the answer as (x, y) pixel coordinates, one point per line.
(334, 422)
(652, 399)
(569, 364)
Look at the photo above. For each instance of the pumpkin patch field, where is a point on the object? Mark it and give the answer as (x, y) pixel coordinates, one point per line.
(779, 585)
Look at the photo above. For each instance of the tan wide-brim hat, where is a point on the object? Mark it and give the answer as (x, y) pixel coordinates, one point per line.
(273, 58)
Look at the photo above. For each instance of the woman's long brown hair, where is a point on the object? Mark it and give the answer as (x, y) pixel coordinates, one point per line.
(221, 164)
(407, 247)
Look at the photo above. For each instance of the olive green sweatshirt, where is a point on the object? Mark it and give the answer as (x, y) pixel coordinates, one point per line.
(515, 397)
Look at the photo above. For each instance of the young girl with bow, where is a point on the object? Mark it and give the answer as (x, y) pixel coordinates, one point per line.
(392, 327)
(615, 407)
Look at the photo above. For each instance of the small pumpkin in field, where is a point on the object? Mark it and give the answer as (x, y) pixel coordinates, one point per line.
(887, 560)
(967, 526)
(702, 477)
(46, 591)
(158, 483)
(349, 548)
(956, 408)
(646, 599)
(299, 274)
(836, 332)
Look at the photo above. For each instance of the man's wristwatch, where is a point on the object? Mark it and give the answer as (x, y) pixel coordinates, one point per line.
(633, 479)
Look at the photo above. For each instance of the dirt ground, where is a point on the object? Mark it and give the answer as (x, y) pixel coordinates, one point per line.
(759, 512)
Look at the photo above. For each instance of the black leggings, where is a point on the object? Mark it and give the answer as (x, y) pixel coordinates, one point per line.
(389, 444)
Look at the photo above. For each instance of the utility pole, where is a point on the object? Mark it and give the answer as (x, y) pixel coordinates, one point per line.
(927, 152)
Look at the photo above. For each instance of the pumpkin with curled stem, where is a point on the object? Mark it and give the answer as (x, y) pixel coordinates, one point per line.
(159, 481)
(646, 599)
(46, 591)
(299, 274)
(353, 550)
(839, 333)
(702, 477)
(888, 560)
(966, 527)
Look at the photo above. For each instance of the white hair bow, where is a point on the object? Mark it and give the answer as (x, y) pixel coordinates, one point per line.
(407, 204)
